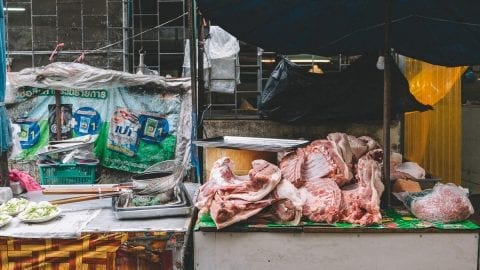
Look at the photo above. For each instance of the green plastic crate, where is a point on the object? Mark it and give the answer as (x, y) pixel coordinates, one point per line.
(67, 174)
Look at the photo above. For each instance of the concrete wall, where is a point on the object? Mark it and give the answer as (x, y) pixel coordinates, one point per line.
(270, 129)
(471, 148)
(80, 24)
(359, 251)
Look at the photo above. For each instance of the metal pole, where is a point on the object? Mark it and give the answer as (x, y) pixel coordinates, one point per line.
(193, 54)
(386, 106)
(194, 78)
(58, 104)
(125, 28)
(201, 90)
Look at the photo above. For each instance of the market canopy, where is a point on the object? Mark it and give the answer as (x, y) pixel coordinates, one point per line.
(442, 32)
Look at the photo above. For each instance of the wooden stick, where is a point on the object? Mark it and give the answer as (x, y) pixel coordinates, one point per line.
(86, 190)
(79, 190)
(83, 198)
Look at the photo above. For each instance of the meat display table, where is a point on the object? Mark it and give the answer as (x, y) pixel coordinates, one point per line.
(99, 241)
(325, 247)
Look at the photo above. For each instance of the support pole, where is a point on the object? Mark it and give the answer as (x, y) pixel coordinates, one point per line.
(386, 106)
(201, 88)
(4, 169)
(58, 105)
(192, 23)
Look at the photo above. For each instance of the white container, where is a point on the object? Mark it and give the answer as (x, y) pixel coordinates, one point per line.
(5, 194)
(16, 187)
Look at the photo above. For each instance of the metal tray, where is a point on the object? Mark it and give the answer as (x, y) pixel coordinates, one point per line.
(252, 143)
(182, 207)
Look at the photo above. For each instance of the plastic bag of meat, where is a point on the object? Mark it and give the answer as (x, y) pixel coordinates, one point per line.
(443, 203)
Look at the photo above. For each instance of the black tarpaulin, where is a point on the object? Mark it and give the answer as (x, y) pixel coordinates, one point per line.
(293, 94)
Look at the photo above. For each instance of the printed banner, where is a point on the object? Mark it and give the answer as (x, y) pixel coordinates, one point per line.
(136, 127)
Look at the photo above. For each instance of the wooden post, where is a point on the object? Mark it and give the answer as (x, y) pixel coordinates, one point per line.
(386, 106)
(58, 105)
(4, 169)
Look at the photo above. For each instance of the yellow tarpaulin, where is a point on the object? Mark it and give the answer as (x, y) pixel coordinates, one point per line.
(433, 138)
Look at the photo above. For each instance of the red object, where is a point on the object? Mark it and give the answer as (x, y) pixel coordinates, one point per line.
(80, 59)
(26, 181)
(52, 56)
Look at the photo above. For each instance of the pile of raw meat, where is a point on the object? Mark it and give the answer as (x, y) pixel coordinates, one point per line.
(337, 179)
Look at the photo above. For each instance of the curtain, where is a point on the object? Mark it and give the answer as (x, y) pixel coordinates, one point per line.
(433, 138)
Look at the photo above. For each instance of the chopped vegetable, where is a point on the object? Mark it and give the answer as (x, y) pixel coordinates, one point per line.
(13, 206)
(4, 218)
(39, 210)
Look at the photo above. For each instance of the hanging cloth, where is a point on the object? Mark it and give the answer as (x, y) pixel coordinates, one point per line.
(5, 130)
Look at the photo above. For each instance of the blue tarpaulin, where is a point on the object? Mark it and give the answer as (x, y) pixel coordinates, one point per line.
(442, 32)
(5, 132)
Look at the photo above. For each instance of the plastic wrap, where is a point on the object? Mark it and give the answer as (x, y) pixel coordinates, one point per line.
(220, 61)
(66, 76)
(222, 51)
(73, 78)
(444, 203)
(221, 44)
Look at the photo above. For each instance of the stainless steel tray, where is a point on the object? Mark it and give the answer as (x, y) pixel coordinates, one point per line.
(252, 143)
(182, 207)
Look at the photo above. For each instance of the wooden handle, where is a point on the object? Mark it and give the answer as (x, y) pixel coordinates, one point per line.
(86, 190)
(79, 190)
(83, 198)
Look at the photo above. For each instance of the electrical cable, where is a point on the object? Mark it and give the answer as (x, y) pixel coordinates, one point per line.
(136, 35)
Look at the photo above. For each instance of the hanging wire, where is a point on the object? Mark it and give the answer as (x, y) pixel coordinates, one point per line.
(136, 35)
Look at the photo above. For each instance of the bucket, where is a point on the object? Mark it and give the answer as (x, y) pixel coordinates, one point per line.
(241, 159)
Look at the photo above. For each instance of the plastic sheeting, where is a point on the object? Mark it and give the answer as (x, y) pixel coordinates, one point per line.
(5, 130)
(439, 32)
(220, 60)
(64, 76)
(295, 95)
(433, 138)
(74, 76)
(222, 52)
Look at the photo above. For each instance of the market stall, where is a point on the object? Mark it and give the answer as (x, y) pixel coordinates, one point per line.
(347, 229)
(111, 121)
(295, 215)
(88, 234)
